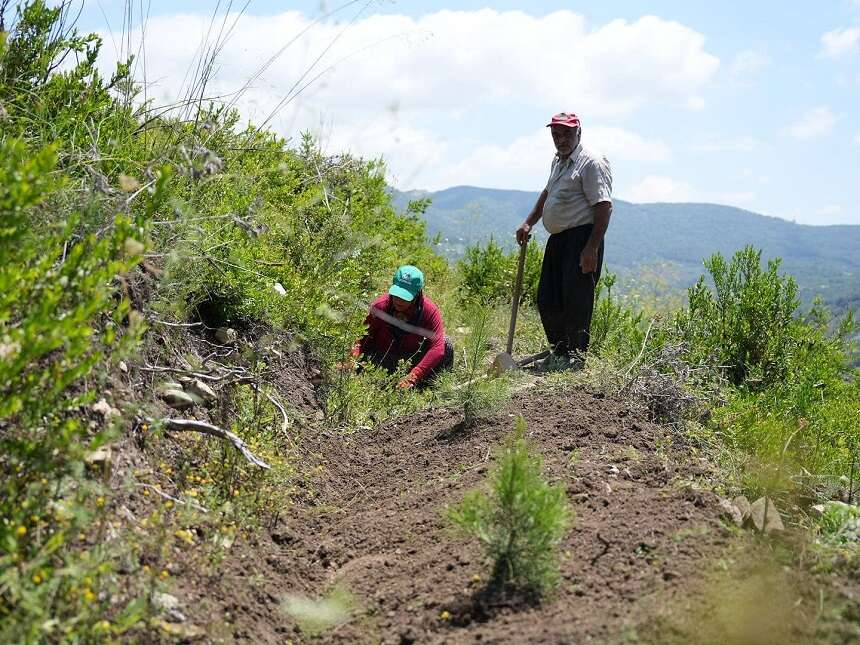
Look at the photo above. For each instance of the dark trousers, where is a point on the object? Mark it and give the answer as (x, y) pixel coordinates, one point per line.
(565, 296)
(389, 359)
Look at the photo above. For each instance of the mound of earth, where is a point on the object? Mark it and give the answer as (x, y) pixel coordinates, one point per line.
(372, 521)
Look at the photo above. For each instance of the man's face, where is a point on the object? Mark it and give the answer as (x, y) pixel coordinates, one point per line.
(565, 139)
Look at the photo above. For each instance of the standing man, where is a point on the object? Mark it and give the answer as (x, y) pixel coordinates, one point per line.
(575, 207)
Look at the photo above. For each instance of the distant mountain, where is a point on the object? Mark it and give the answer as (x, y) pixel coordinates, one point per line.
(664, 241)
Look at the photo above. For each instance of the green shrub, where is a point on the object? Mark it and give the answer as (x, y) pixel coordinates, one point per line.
(745, 324)
(59, 318)
(487, 273)
(520, 521)
(616, 330)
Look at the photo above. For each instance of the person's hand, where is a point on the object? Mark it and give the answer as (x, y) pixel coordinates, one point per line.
(588, 259)
(345, 366)
(523, 233)
(405, 384)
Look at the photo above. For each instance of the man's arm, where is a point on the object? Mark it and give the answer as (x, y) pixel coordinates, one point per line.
(588, 257)
(526, 227)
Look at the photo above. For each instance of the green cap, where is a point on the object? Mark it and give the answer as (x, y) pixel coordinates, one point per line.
(408, 281)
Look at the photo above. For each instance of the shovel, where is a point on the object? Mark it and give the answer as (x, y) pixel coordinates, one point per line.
(504, 362)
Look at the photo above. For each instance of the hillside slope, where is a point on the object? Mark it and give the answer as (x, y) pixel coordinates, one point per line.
(674, 237)
(370, 519)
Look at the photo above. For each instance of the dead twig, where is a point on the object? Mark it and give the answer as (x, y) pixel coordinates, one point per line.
(186, 425)
(173, 324)
(161, 493)
(179, 370)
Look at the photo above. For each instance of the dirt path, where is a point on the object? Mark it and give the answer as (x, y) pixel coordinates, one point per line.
(375, 526)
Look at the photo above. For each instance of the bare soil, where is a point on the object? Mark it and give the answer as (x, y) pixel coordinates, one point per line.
(372, 521)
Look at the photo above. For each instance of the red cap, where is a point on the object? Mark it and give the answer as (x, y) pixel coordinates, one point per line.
(565, 118)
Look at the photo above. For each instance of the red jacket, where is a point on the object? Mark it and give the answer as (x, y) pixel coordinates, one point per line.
(381, 336)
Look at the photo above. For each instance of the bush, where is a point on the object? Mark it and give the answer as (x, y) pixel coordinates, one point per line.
(616, 330)
(520, 521)
(487, 273)
(59, 318)
(746, 323)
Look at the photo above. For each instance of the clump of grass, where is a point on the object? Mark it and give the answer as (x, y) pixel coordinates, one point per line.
(316, 616)
(520, 521)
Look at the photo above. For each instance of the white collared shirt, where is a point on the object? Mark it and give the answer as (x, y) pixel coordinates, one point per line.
(575, 185)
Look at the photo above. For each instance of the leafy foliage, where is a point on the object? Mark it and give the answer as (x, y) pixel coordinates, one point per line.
(520, 521)
(487, 273)
(746, 323)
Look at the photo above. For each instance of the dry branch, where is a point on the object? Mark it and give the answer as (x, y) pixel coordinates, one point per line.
(161, 493)
(185, 425)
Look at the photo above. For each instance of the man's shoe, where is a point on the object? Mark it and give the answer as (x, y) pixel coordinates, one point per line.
(553, 363)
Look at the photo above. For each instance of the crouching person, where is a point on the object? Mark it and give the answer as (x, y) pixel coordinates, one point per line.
(405, 325)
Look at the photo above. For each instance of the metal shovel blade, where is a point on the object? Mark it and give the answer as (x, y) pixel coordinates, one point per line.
(502, 363)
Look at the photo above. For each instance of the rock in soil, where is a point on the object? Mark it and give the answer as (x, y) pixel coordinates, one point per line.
(202, 390)
(729, 511)
(177, 399)
(226, 336)
(743, 505)
(762, 524)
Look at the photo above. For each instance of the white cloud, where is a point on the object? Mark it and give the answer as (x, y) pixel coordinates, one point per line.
(728, 144)
(657, 188)
(818, 122)
(748, 62)
(448, 58)
(840, 42)
(524, 163)
(695, 103)
(421, 75)
(619, 144)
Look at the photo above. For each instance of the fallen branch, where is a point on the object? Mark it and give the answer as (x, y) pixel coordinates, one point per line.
(173, 324)
(286, 424)
(160, 492)
(185, 425)
(179, 370)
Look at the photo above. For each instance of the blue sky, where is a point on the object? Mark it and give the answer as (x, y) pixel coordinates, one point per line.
(754, 104)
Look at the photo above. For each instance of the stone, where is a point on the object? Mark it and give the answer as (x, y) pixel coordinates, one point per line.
(177, 399)
(123, 367)
(164, 601)
(100, 456)
(743, 505)
(226, 335)
(169, 385)
(819, 510)
(729, 511)
(104, 408)
(279, 289)
(758, 519)
(179, 630)
(202, 390)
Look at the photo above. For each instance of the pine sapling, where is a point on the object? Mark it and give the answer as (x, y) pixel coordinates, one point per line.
(520, 521)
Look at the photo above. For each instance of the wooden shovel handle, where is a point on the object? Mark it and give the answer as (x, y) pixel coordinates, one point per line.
(518, 287)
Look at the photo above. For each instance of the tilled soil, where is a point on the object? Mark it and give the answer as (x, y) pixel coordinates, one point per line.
(373, 523)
